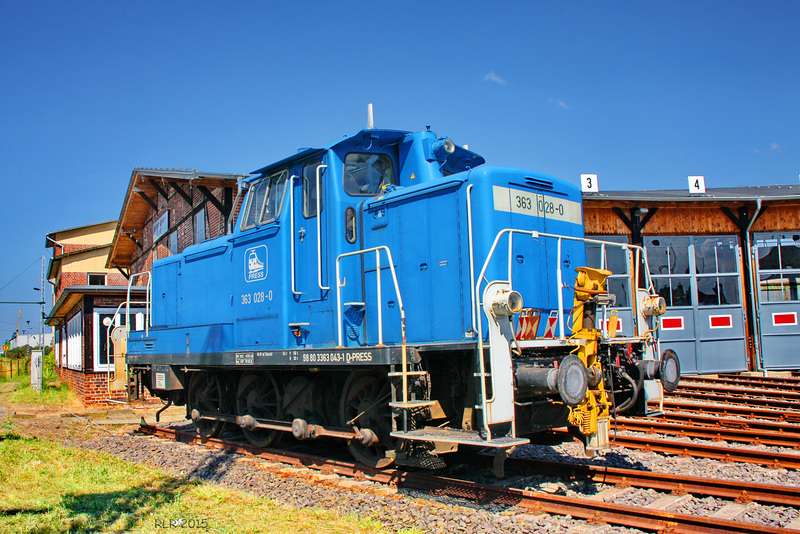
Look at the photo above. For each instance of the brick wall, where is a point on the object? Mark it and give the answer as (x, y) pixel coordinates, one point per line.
(181, 222)
(92, 388)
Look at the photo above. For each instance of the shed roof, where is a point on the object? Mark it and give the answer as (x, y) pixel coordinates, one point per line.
(728, 195)
(74, 294)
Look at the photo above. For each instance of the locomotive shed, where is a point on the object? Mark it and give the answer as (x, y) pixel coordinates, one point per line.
(725, 260)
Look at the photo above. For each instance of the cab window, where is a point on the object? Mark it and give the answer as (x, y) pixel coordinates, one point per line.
(310, 189)
(274, 200)
(264, 200)
(365, 175)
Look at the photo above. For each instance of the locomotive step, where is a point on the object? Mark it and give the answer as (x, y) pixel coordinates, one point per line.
(461, 437)
(412, 404)
(410, 373)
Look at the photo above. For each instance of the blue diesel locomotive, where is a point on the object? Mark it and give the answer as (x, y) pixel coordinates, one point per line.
(392, 290)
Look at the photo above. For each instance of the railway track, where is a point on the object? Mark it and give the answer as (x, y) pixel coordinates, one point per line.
(594, 510)
(750, 436)
(730, 410)
(770, 383)
(709, 421)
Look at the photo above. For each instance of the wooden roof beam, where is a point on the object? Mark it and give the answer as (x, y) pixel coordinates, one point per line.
(158, 188)
(636, 222)
(146, 198)
(224, 210)
(186, 198)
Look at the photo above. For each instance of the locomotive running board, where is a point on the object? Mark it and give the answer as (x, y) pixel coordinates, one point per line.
(459, 437)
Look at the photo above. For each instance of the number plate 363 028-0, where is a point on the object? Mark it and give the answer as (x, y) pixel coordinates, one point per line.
(536, 205)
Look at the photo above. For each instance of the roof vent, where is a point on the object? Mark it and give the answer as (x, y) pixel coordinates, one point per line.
(538, 183)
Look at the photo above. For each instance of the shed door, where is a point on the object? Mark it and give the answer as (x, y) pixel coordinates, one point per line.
(779, 298)
(618, 261)
(700, 279)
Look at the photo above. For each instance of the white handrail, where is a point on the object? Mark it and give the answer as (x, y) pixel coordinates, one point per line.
(319, 229)
(291, 228)
(638, 255)
(147, 302)
(379, 292)
(559, 280)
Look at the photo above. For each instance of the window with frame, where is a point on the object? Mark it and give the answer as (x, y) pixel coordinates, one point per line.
(310, 189)
(200, 226)
(101, 334)
(778, 267)
(97, 279)
(615, 259)
(366, 174)
(716, 265)
(695, 270)
(75, 343)
(264, 200)
(668, 260)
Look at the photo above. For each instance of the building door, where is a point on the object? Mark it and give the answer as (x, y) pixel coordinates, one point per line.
(699, 277)
(778, 271)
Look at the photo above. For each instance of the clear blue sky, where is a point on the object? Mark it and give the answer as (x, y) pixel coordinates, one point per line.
(642, 93)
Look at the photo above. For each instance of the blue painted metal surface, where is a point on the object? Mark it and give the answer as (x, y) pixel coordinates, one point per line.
(234, 293)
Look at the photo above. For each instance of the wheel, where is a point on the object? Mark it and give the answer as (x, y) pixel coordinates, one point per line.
(258, 396)
(365, 405)
(208, 395)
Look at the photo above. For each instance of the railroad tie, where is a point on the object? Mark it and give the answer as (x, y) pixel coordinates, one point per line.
(794, 525)
(667, 501)
(611, 493)
(731, 510)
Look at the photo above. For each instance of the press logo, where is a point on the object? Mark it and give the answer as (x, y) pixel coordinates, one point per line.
(255, 266)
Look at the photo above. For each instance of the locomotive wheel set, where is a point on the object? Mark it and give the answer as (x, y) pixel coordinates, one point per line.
(392, 291)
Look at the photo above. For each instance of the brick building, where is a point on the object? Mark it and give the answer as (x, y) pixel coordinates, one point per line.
(85, 292)
(165, 211)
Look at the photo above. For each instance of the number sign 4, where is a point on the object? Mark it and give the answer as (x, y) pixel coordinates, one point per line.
(697, 185)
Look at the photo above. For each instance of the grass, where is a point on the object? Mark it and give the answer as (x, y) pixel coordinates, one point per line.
(51, 489)
(50, 394)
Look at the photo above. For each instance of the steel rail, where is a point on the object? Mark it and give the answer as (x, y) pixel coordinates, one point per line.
(714, 421)
(596, 512)
(777, 460)
(729, 399)
(742, 492)
(738, 391)
(750, 412)
(792, 379)
(738, 435)
(743, 381)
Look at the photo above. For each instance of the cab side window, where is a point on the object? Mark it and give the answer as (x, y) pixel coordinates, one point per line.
(264, 200)
(310, 189)
(255, 200)
(365, 175)
(274, 200)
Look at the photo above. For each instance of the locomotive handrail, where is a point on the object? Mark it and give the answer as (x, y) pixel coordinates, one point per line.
(148, 302)
(559, 280)
(319, 230)
(636, 249)
(291, 229)
(377, 250)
